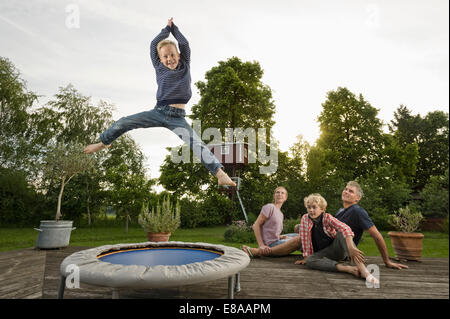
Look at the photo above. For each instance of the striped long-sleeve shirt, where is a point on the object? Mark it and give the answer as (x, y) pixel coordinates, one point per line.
(174, 86)
(330, 226)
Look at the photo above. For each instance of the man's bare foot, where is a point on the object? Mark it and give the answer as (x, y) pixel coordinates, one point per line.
(369, 277)
(95, 147)
(372, 280)
(224, 179)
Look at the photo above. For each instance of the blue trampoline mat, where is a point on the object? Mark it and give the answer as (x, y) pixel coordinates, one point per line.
(159, 256)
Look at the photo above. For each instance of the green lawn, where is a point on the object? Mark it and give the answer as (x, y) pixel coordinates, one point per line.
(434, 244)
(17, 238)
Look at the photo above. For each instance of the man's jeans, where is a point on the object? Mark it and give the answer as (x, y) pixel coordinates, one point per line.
(164, 116)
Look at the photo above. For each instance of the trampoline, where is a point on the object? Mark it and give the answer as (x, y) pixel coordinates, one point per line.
(155, 265)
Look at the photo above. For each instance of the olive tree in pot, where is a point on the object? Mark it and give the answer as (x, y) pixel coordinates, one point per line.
(407, 243)
(61, 163)
(159, 225)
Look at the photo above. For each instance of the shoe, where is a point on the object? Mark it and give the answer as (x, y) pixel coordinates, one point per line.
(247, 250)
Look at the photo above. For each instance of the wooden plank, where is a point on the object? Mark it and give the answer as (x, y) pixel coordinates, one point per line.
(31, 273)
(280, 278)
(21, 273)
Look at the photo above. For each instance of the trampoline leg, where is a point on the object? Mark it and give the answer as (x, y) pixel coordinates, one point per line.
(62, 285)
(115, 293)
(231, 287)
(237, 285)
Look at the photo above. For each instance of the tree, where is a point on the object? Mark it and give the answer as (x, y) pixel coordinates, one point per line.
(127, 192)
(19, 202)
(62, 163)
(15, 104)
(402, 159)
(431, 134)
(234, 96)
(71, 117)
(299, 152)
(352, 146)
(383, 195)
(405, 127)
(350, 135)
(435, 197)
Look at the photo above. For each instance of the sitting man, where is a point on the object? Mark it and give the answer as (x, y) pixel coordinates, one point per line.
(351, 214)
(359, 221)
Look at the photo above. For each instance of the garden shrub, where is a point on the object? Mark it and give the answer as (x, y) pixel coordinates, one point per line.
(435, 201)
(444, 225)
(289, 224)
(191, 214)
(20, 205)
(383, 196)
(251, 218)
(239, 232)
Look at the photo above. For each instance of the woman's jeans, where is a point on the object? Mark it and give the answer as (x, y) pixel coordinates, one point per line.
(282, 241)
(164, 116)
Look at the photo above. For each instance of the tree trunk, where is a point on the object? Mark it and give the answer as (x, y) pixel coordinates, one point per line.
(88, 209)
(88, 214)
(58, 210)
(127, 218)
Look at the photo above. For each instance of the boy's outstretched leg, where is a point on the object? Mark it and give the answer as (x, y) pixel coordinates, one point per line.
(95, 147)
(224, 179)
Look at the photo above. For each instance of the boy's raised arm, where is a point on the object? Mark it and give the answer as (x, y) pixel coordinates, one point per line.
(164, 34)
(183, 43)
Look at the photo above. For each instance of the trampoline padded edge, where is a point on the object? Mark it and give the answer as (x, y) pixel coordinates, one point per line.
(96, 272)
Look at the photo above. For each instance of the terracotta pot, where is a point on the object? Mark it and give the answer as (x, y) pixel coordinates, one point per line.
(158, 236)
(407, 245)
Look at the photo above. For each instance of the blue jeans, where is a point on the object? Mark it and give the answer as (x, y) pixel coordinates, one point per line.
(164, 116)
(281, 241)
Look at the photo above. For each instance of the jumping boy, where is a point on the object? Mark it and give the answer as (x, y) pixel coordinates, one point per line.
(174, 91)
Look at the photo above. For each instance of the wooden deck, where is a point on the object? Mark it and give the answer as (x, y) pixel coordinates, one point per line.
(34, 274)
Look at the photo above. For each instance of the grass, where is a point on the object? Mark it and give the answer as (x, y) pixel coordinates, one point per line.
(435, 244)
(18, 238)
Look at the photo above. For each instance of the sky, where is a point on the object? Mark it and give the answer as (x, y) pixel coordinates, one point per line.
(392, 52)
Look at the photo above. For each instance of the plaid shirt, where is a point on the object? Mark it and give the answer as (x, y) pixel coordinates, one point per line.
(330, 226)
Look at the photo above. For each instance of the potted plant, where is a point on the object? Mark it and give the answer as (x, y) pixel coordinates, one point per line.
(61, 163)
(159, 225)
(406, 242)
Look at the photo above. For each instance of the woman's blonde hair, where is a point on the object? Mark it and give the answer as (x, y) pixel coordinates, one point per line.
(164, 43)
(316, 199)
